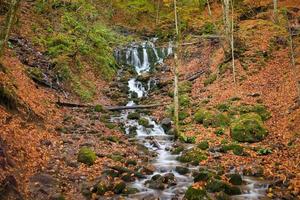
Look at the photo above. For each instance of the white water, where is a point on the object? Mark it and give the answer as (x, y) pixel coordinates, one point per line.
(165, 162)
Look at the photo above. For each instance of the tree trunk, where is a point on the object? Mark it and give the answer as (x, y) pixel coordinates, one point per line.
(232, 44)
(176, 65)
(10, 17)
(208, 6)
(157, 12)
(275, 11)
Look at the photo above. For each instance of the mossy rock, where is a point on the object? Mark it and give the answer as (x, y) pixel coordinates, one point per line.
(201, 115)
(112, 138)
(203, 145)
(190, 139)
(259, 109)
(236, 148)
(130, 190)
(215, 185)
(86, 156)
(232, 190)
(98, 108)
(219, 131)
(177, 150)
(248, 128)
(235, 179)
(204, 175)
(143, 122)
(182, 115)
(223, 107)
(220, 120)
(196, 194)
(133, 115)
(193, 156)
(182, 170)
(119, 187)
(131, 162)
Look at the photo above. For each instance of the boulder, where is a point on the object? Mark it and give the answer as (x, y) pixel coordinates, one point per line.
(166, 124)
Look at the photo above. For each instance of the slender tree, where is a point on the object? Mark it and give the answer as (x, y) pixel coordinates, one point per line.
(208, 7)
(275, 11)
(10, 17)
(232, 43)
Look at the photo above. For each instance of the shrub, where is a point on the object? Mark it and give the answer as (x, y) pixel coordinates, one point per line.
(86, 156)
(248, 128)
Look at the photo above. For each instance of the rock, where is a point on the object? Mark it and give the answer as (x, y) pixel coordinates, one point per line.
(170, 179)
(182, 170)
(86, 156)
(148, 169)
(215, 185)
(127, 177)
(45, 142)
(203, 145)
(119, 187)
(43, 186)
(133, 116)
(256, 171)
(145, 77)
(232, 190)
(196, 194)
(104, 185)
(111, 173)
(177, 149)
(57, 196)
(156, 182)
(171, 132)
(203, 175)
(130, 190)
(236, 179)
(131, 162)
(166, 124)
(248, 128)
(193, 156)
(144, 122)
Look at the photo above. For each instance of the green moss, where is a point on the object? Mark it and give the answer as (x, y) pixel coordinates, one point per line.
(193, 156)
(204, 175)
(235, 179)
(210, 79)
(259, 109)
(119, 187)
(195, 194)
(133, 115)
(143, 122)
(215, 185)
(35, 73)
(86, 156)
(248, 128)
(113, 138)
(237, 149)
(190, 140)
(98, 108)
(185, 87)
(201, 115)
(203, 145)
(264, 151)
(219, 131)
(184, 100)
(177, 150)
(183, 115)
(223, 107)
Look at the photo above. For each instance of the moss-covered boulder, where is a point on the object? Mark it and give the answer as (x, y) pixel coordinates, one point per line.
(203, 145)
(248, 128)
(196, 194)
(143, 122)
(86, 156)
(202, 115)
(215, 185)
(119, 187)
(177, 150)
(133, 115)
(259, 109)
(193, 156)
(235, 179)
(182, 170)
(204, 175)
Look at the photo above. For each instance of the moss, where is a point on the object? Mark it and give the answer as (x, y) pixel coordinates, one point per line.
(264, 151)
(8, 98)
(185, 87)
(248, 128)
(208, 28)
(183, 115)
(193, 156)
(184, 100)
(204, 175)
(86, 156)
(130, 190)
(210, 79)
(237, 149)
(35, 73)
(215, 185)
(235, 179)
(203, 145)
(98, 108)
(131, 162)
(112, 138)
(177, 150)
(220, 120)
(219, 131)
(143, 122)
(259, 109)
(195, 194)
(222, 107)
(133, 116)
(232, 190)
(201, 115)
(119, 187)
(190, 140)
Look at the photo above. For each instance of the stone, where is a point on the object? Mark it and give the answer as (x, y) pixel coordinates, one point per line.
(166, 124)
(182, 170)
(196, 194)
(236, 179)
(86, 156)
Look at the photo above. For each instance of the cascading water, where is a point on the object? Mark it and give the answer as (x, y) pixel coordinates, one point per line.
(143, 58)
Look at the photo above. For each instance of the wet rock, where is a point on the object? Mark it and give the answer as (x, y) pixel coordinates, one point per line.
(196, 194)
(148, 169)
(104, 185)
(111, 173)
(236, 179)
(203, 175)
(145, 77)
(215, 185)
(193, 156)
(127, 177)
(171, 132)
(166, 124)
(170, 179)
(182, 170)
(130, 190)
(133, 116)
(119, 187)
(232, 190)
(156, 182)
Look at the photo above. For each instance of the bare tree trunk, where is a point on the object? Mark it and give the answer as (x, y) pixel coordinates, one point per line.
(232, 43)
(157, 12)
(226, 18)
(275, 11)
(8, 24)
(176, 65)
(208, 6)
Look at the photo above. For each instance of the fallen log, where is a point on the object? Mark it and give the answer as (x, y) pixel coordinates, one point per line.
(196, 75)
(111, 108)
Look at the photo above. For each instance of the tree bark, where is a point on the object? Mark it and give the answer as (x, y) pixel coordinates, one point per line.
(232, 44)
(10, 17)
(275, 11)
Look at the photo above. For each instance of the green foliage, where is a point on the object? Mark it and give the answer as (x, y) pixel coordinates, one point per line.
(208, 28)
(210, 79)
(183, 115)
(86, 156)
(203, 145)
(190, 140)
(248, 128)
(35, 73)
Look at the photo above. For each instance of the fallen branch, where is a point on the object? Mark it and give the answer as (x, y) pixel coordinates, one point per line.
(196, 75)
(111, 108)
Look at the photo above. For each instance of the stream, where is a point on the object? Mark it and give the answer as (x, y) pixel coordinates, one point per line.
(143, 58)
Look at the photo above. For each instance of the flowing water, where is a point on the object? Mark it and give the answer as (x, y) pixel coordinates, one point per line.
(144, 57)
